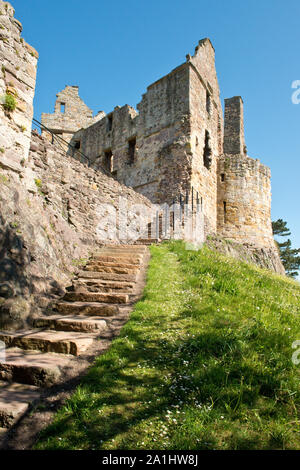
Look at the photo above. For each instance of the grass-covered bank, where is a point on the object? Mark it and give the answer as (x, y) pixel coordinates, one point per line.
(205, 362)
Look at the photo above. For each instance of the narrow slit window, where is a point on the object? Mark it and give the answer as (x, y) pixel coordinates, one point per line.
(77, 144)
(62, 108)
(222, 177)
(207, 159)
(225, 211)
(108, 160)
(208, 103)
(131, 150)
(109, 122)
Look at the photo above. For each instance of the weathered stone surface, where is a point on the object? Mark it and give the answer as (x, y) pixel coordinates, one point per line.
(85, 308)
(14, 401)
(32, 367)
(96, 297)
(47, 341)
(107, 276)
(17, 79)
(71, 323)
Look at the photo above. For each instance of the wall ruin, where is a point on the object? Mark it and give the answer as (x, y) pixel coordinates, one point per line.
(17, 86)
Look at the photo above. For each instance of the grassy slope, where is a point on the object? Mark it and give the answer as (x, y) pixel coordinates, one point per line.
(203, 363)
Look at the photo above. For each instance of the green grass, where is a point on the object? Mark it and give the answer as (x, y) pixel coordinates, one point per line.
(205, 362)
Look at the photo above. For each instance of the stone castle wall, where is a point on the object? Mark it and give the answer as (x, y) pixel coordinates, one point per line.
(244, 200)
(206, 120)
(17, 83)
(160, 165)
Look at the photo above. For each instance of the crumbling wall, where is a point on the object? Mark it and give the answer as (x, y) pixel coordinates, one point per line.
(234, 139)
(70, 114)
(161, 162)
(17, 85)
(206, 129)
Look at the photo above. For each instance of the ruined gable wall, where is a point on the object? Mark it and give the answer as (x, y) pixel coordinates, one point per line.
(206, 116)
(17, 79)
(76, 114)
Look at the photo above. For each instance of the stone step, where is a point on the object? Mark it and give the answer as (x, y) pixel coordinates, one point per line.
(32, 367)
(87, 308)
(128, 277)
(14, 401)
(117, 259)
(147, 241)
(123, 248)
(71, 323)
(121, 254)
(96, 297)
(48, 341)
(110, 268)
(97, 285)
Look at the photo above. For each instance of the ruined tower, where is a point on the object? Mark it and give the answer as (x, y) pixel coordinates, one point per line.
(244, 186)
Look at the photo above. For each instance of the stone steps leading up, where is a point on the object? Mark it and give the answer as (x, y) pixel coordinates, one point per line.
(71, 323)
(32, 367)
(101, 297)
(48, 341)
(14, 401)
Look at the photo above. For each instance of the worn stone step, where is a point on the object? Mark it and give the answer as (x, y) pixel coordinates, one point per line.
(71, 323)
(14, 401)
(129, 277)
(110, 268)
(114, 264)
(87, 308)
(96, 297)
(32, 367)
(147, 241)
(117, 259)
(122, 253)
(48, 341)
(123, 248)
(100, 285)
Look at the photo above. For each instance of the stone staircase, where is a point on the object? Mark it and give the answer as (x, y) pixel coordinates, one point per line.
(107, 287)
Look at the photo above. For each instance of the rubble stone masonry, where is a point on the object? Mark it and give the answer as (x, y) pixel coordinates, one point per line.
(17, 86)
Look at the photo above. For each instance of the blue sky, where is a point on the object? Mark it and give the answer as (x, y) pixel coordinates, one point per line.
(114, 49)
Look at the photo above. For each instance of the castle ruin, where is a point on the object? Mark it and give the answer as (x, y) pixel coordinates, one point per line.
(178, 143)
